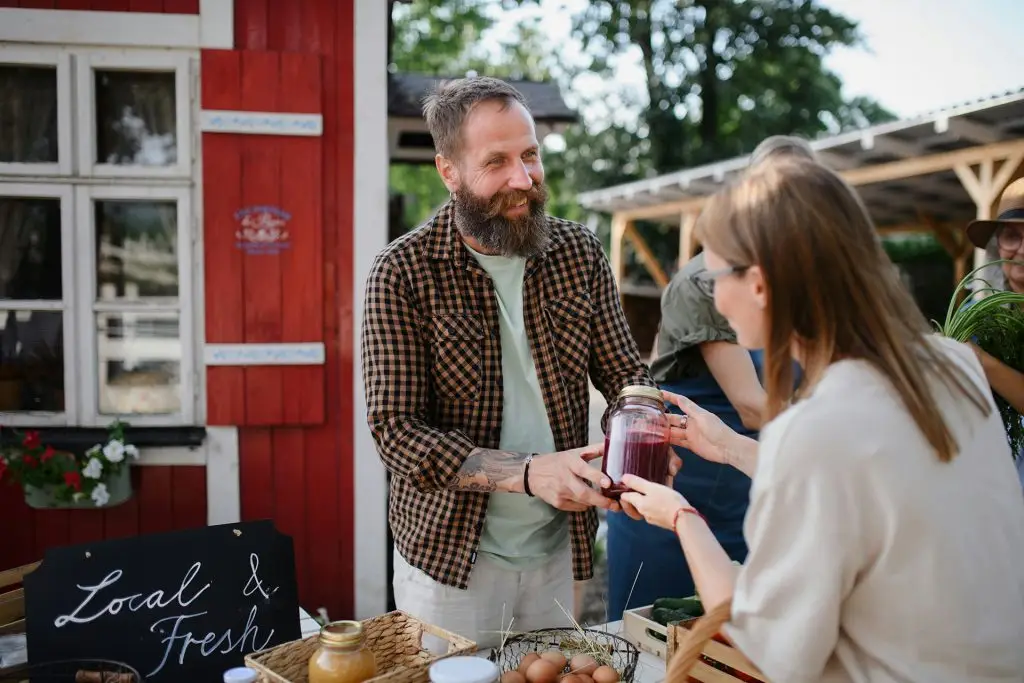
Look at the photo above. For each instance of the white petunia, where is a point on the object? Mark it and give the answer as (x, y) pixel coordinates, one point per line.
(94, 450)
(131, 450)
(114, 451)
(94, 469)
(100, 495)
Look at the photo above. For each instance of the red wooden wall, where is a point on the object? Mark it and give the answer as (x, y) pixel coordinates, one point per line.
(296, 456)
(157, 6)
(165, 499)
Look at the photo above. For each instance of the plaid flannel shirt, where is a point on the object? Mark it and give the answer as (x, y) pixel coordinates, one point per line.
(431, 359)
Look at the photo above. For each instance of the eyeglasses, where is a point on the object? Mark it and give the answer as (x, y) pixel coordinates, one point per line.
(1010, 237)
(705, 279)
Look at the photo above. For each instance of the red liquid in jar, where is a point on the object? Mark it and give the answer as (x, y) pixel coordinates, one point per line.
(644, 454)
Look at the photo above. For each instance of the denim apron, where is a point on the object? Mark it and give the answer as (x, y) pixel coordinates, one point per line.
(720, 492)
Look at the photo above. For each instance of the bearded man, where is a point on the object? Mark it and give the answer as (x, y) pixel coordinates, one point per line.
(481, 328)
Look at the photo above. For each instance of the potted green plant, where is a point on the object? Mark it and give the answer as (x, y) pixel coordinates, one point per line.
(99, 477)
(994, 321)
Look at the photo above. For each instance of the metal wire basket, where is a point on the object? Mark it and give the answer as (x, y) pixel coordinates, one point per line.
(72, 671)
(606, 648)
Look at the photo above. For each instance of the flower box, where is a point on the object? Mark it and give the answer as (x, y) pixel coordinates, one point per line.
(49, 479)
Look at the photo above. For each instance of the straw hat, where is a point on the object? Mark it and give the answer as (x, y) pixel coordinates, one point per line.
(1011, 210)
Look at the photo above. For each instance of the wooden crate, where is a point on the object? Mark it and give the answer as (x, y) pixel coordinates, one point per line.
(720, 663)
(12, 599)
(637, 626)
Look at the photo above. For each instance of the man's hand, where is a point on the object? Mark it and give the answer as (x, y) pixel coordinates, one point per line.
(561, 479)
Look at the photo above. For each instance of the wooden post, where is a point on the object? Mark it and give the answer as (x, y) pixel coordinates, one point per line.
(986, 187)
(647, 256)
(687, 241)
(619, 225)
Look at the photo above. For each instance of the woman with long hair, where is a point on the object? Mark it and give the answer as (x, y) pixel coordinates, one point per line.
(886, 526)
(697, 356)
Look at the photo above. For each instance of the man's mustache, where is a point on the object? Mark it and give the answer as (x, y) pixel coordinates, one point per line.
(503, 201)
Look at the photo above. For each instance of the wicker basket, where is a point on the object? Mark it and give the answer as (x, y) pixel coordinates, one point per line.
(395, 639)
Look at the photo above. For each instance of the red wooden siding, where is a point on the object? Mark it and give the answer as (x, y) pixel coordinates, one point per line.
(263, 298)
(156, 6)
(165, 499)
(299, 476)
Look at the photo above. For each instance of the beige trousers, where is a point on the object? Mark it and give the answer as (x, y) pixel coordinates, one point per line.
(494, 594)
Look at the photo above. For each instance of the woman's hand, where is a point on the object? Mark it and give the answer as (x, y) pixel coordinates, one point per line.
(699, 430)
(655, 503)
(674, 464)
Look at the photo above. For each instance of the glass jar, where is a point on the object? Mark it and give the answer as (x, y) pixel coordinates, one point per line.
(637, 439)
(342, 656)
(466, 669)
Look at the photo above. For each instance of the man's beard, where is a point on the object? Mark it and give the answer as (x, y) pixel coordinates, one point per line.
(484, 221)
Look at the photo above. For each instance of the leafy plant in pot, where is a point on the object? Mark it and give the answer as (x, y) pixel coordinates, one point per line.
(994, 321)
(50, 478)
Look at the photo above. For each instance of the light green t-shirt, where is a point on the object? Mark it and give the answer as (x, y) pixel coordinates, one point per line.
(519, 532)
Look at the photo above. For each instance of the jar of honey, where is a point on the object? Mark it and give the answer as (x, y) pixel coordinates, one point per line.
(637, 439)
(342, 655)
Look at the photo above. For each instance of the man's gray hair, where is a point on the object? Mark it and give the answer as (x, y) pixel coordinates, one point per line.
(448, 106)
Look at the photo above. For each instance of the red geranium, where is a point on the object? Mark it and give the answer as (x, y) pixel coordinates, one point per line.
(47, 454)
(74, 480)
(31, 440)
(30, 461)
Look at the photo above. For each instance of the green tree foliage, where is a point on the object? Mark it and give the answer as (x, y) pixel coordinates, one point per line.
(718, 76)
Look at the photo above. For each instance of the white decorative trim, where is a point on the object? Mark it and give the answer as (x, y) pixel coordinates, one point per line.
(223, 491)
(173, 456)
(303, 353)
(217, 24)
(123, 29)
(370, 203)
(260, 123)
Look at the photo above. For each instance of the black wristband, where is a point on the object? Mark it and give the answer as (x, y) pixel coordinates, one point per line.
(526, 475)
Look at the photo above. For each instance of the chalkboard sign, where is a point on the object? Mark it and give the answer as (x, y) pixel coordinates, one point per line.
(179, 606)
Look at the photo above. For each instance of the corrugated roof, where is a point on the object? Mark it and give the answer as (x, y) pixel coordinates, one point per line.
(984, 121)
(406, 92)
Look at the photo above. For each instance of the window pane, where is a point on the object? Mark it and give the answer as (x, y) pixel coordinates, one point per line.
(31, 361)
(135, 118)
(30, 248)
(28, 114)
(139, 363)
(136, 249)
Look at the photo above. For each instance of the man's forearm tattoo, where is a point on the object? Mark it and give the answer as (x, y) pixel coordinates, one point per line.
(486, 469)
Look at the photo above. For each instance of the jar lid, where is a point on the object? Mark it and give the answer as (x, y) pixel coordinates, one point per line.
(642, 391)
(240, 674)
(341, 633)
(464, 670)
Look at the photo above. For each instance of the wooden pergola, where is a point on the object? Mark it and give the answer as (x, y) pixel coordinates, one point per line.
(931, 174)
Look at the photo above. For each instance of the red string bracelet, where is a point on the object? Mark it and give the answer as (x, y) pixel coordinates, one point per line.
(686, 510)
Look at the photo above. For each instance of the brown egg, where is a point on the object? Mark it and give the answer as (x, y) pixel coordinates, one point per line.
(526, 661)
(513, 677)
(542, 671)
(570, 678)
(605, 674)
(584, 678)
(583, 664)
(555, 657)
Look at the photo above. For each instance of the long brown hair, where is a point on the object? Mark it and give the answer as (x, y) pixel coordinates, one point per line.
(831, 288)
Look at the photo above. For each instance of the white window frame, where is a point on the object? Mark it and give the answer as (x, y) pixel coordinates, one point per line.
(78, 180)
(89, 305)
(62, 61)
(66, 305)
(87, 63)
